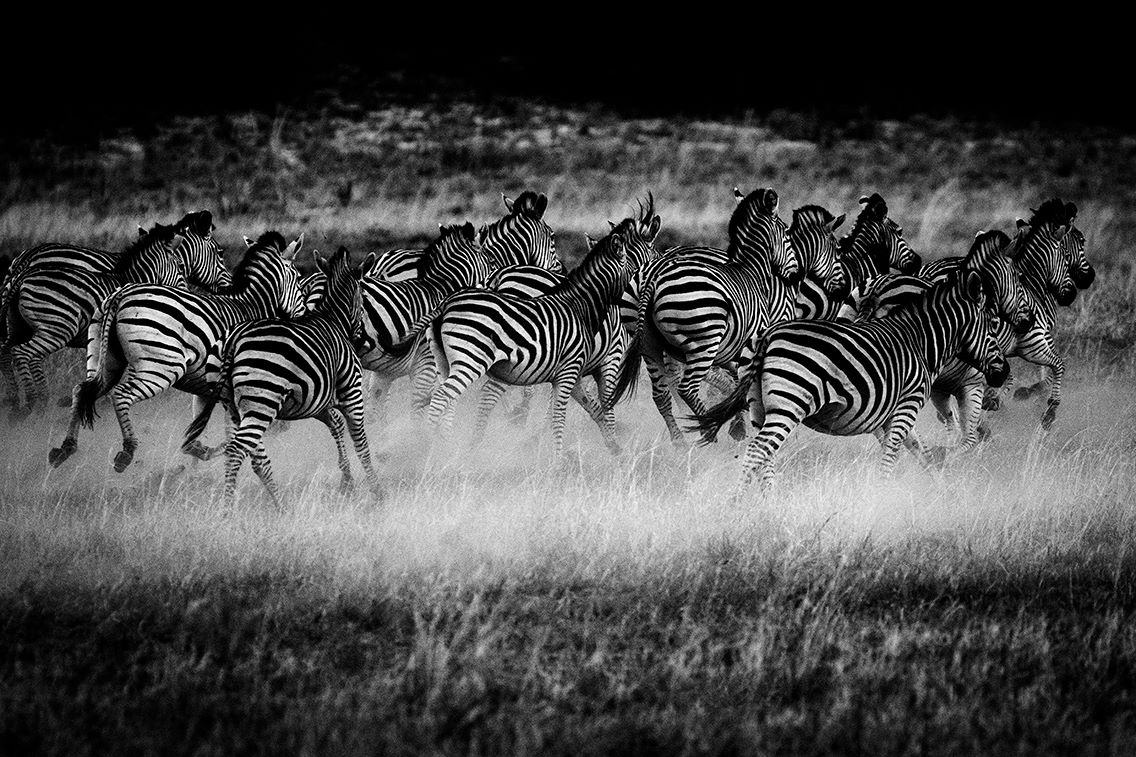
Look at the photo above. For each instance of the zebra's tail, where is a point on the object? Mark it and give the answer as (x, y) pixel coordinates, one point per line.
(441, 363)
(99, 333)
(628, 376)
(710, 423)
(221, 379)
(13, 329)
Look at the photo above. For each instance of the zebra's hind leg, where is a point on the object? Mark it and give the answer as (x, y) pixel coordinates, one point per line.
(970, 413)
(563, 384)
(333, 419)
(197, 448)
(942, 402)
(247, 440)
(353, 414)
(133, 389)
(605, 420)
(897, 433)
(661, 394)
(488, 398)
(27, 359)
(775, 429)
(519, 415)
(463, 372)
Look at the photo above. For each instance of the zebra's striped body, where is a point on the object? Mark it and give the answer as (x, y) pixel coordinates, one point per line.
(304, 368)
(854, 378)
(555, 338)
(52, 305)
(706, 314)
(1006, 302)
(152, 337)
(396, 313)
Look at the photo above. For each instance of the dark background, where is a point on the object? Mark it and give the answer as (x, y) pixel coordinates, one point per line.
(72, 83)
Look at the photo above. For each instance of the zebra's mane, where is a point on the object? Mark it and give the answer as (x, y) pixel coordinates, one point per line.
(199, 222)
(592, 259)
(875, 210)
(528, 204)
(810, 215)
(989, 241)
(426, 263)
(1052, 211)
(159, 233)
(749, 208)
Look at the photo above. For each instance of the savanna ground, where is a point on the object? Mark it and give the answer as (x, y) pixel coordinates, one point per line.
(494, 604)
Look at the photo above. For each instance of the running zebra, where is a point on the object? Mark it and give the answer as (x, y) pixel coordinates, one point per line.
(395, 313)
(854, 378)
(153, 337)
(1007, 305)
(305, 368)
(702, 313)
(1046, 276)
(556, 338)
(51, 305)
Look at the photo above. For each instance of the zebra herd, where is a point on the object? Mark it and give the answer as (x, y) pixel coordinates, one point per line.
(789, 323)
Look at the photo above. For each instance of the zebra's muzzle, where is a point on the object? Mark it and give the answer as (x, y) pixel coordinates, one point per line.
(1023, 323)
(997, 372)
(1083, 278)
(1065, 296)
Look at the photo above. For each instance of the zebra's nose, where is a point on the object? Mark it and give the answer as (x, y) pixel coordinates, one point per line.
(1066, 295)
(998, 371)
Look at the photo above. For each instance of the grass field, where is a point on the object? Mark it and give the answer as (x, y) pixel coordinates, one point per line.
(492, 603)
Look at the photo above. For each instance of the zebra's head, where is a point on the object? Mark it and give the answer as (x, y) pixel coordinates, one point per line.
(456, 258)
(1073, 248)
(877, 238)
(267, 275)
(1005, 295)
(879, 296)
(757, 234)
(813, 237)
(1039, 250)
(342, 299)
(202, 257)
(977, 346)
(522, 237)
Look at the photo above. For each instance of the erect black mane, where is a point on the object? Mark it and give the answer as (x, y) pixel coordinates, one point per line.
(159, 233)
(811, 214)
(1000, 239)
(268, 242)
(1052, 211)
(528, 204)
(199, 222)
(426, 263)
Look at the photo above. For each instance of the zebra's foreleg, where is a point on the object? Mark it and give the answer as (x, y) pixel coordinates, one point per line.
(247, 440)
(896, 433)
(262, 466)
(519, 415)
(969, 398)
(27, 359)
(1046, 356)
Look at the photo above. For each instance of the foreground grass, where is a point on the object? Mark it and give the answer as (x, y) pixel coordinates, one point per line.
(615, 606)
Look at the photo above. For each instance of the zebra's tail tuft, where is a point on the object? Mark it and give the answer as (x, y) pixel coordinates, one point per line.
(89, 391)
(710, 423)
(197, 426)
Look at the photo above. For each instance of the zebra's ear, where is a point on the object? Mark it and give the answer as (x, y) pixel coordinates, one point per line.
(320, 261)
(738, 195)
(482, 232)
(1060, 231)
(365, 266)
(508, 202)
(469, 232)
(141, 231)
(616, 244)
(972, 286)
(177, 240)
(1070, 211)
(769, 200)
(249, 241)
(292, 249)
(1022, 224)
(612, 225)
(832, 227)
(541, 205)
(589, 241)
(653, 229)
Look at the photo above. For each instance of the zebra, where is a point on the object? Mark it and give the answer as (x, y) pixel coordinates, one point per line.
(529, 281)
(151, 337)
(395, 313)
(1047, 278)
(873, 247)
(51, 306)
(1081, 272)
(556, 338)
(1007, 304)
(305, 368)
(873, 376)
(705, 314)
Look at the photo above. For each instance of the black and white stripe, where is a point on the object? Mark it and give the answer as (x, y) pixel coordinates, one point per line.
(853, 378)
(304, 368)
(150, 337)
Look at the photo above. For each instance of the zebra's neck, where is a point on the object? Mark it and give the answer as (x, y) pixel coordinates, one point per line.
(1032, 272)
(591, 289)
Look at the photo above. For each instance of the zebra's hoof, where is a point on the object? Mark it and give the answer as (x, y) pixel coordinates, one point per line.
(1022, 393)
(738, 430)
(346, 486)
(991, 402)
(122, 460)
(199, 450)
(1049, 417)
(19, 414)
(62, 452)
